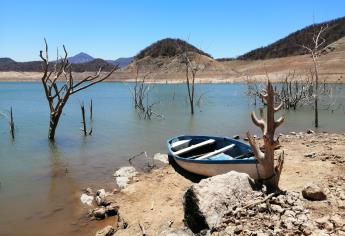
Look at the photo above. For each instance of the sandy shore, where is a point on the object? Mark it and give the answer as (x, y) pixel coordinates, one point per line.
(155, 198)
(175, 78)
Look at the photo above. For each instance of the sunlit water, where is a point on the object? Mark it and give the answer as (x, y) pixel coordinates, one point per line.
(40, 182)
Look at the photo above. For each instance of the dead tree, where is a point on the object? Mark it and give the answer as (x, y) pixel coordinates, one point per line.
(9, 117)
(140, 93)
(315, 52)
(11, 124)
(83, 121)
(268, 172)
(191, 69)
(58, 94)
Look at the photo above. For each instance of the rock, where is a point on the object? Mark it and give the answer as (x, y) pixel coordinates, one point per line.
(310, 154)
(236, 137)
(277, 208)
(313, 192)
(238, 229)
(86, 199)
(103, 201)
(337, 221)
(309, 131)
(176, 232)
(207, 201)
(307, 228)
(106, 231)
(161, 157)
(112, 209)
(100, 193)
(122, 223)
(99, 213)
(89, 191)
(124, 174)
(321, 222)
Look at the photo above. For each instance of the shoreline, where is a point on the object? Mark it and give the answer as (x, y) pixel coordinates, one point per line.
(154, 198)
(203, 78)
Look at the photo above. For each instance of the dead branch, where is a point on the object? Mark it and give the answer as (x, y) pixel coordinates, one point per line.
(142, 228)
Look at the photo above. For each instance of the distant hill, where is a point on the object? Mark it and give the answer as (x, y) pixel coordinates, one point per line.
(7, 64)
(122, 61)
(168, 48)
(290, 45)
(80, 58)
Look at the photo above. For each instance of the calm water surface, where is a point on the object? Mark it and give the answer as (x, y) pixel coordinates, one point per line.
(40, 182)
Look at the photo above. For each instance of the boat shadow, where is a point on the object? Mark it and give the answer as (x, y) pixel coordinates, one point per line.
(188, 175)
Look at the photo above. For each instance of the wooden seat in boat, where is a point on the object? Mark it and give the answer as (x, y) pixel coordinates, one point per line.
(180, 143)
(195, 146)
(224, 149)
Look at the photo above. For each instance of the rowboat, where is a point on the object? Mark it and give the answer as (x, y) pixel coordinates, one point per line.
(210, 156)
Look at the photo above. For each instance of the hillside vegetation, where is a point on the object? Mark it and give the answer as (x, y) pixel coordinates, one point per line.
(291, 45)
(168, 48)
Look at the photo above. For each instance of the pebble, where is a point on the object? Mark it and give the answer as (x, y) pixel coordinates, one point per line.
(99, 213)
(310, 154)
(112, 209)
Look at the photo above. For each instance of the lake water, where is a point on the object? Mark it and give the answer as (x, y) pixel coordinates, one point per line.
(40, 182)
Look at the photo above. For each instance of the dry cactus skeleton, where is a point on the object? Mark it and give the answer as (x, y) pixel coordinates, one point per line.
(268, 172)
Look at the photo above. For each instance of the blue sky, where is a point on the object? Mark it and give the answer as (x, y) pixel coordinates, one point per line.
(110, 29)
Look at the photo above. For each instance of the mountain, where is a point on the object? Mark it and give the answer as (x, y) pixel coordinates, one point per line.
(168, 48)
(7, 64)
(122, 61)
(291, 45)
(80, 58)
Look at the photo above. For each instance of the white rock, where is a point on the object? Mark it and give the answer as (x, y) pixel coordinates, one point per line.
(124, 174)
(161, 157)
(86, 199)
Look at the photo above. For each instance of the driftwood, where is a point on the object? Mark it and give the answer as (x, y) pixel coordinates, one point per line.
(57, 95)
(269, 173)
(142, 228)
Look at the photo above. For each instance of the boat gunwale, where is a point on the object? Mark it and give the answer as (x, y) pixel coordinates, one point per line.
(206, 161)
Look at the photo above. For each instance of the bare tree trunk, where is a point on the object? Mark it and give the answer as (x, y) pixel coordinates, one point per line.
(11, 123)
(83, 118)
(54, 120)
(270, 173)
(316, 95)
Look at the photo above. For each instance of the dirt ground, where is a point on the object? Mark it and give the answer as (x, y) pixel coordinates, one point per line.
(155, 199)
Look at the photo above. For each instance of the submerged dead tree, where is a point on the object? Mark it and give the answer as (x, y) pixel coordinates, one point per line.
(141, 96)
(83, 121)
(268, 171)
(57, 94)
(189, 59)
(315, 52)
(11, 124)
